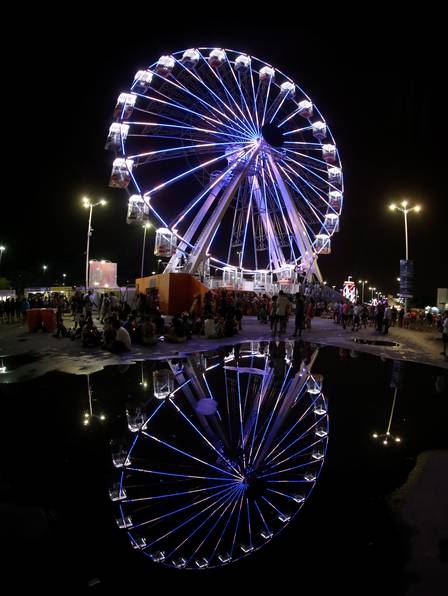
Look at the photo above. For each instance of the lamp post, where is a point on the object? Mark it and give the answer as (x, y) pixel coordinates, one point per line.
(2, 250)
(146, 226)
(388, 436)
(89, 205)
(371, 293)
(363, 282)
(44, 269)
(89, 415)
(403, 207)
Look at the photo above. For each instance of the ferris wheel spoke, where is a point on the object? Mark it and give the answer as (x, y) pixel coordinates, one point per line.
(255, 419)
(313, 197)
(220, 509)
(308, 158)
(186, 454)
(278, 448)
(196, 98)
(265, 103)
(221, 107)
(230, 97)
(244, 105)
(194, 509)
(173, 152)
(178, 110)
(202, 166)
(283, 472)
(275, 108)
(298, 130)
(207, 441)
(299, 438)
(316, 194)
(213, 509)
(313, 171)
(291, 115)
(242, 122)
(179, 127)
(176, 476)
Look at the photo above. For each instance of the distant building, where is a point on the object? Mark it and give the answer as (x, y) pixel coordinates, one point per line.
(442, 298)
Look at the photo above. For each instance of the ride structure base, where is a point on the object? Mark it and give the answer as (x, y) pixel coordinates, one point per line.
(178, 292)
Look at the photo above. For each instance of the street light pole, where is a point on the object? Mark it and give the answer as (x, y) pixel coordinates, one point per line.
(145, 227)
(362, 282)
(403, 207)
(88, 205)
(2, 249)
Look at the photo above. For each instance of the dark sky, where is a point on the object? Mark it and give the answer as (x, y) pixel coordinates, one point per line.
(376, 80)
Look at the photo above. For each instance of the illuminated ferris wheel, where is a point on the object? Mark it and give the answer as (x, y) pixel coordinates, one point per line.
(223, 457)
(233, 161)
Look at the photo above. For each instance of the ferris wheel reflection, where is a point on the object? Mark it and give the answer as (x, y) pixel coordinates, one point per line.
(224, 455)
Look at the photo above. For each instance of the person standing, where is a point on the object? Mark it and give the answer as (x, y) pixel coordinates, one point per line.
(445, 333)
(299, 316)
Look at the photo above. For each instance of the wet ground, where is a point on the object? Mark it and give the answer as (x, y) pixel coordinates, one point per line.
(65, 355)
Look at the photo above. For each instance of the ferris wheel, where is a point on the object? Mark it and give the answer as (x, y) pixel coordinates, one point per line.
(232, 159)
(223, 457)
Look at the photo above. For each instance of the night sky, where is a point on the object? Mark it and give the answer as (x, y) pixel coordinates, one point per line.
(376, 80)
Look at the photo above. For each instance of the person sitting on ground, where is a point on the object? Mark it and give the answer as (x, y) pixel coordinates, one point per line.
(148, 332)
(122, 339)
(176, 332)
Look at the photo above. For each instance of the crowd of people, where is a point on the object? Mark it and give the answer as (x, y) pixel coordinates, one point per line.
(109, 321)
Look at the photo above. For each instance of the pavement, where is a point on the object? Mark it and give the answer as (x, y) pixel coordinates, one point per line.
(28, 355)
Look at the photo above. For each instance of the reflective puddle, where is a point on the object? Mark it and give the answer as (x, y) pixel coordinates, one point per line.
(215, 463)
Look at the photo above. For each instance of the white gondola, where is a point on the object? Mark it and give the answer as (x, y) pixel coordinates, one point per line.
(142, 80)
(267, 73)
(335, 200)
(288, 88)
(329, 153)
(117, 135)
(136, 418)
(286, 275)
(262, 279)
(314, 384)
(120, 457)
(190, 57)
(229, 277)
(124, 522)
(125, 106)
(319, 130)
(165, 243)
(121, 173)
(323, 244)
(138, 542)
(331, 223)
(305, 108)
(163, 382)
(165, 65)
(117, 493)
(334, 175)
(242, 62)
(216, 58)
(138, 210)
